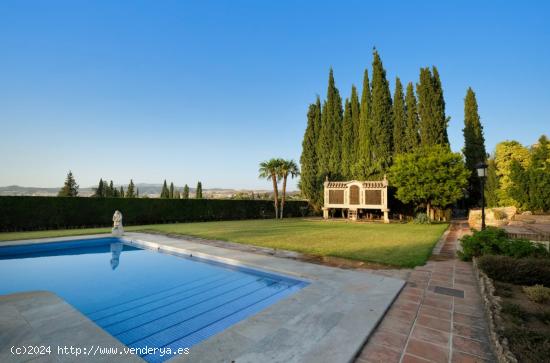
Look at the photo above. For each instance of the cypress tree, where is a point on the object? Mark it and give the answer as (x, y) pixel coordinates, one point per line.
(474, 144)
(185, 194)
(329, 148)
(130, 193)
(198, 192)
(431, 109)
(309, 182)
(121, 194)
(355, 122)
(70, 188)
(362, 165)
(111, 191)
(381, 119)
(99, 192)
(165, 193)
(347, 141)
(137, 192)
(399, 119)
(171, 194)
(412, 137)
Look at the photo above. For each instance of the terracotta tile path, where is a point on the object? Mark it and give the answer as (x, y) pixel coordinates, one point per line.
(426, 323)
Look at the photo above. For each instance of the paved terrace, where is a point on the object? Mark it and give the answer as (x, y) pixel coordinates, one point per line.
(437, 317)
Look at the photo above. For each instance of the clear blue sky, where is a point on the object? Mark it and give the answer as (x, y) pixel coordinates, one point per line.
(205, 90)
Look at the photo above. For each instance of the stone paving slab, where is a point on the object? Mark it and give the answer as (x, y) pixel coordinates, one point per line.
(424, 325)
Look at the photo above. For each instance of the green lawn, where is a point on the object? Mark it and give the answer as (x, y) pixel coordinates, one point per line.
(405, 245)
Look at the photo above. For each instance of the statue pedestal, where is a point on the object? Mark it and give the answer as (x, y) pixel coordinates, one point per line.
(117, 231)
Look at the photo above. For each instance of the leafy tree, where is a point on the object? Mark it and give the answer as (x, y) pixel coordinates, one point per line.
(99, 192)
(286, 168)
(433, 176)
(165, 192)
(171, 192)
(531, 185)
(347, 141)
(399, 119)
(412, 137)
(198, 191)
(130, 191)
(330, 134)
(309, 181)
(492, 184)
(381, 119)
(362, 167)
(70, 188)
(505, 153)
(270, 170)
(474, 144)
(431, 109)
(185, 194)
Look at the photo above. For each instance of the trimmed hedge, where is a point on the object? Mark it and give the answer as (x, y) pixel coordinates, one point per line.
(519, 271)
(35, 213)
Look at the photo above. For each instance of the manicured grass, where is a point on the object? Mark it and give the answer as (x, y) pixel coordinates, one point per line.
(405, 245)
(13, 236)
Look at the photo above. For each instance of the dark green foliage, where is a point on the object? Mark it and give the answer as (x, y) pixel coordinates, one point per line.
(165, 192)
(355, 122)
(422, 218)
(121, 192)
(99, 192)
(412, 136)
(198, 191)
(309, 184)
(399, 120)
(491, 184)
(362, 166)
(493, 241)
(531, 184)
(70, 188)
(431, 108)
(185, 193)
(531, 346)
(474, 145)
(330, 133)
(130, 191)
(347, 142)
(519, 271)
(34, 213)
(381, 120)
(171, 191)
(434, 176)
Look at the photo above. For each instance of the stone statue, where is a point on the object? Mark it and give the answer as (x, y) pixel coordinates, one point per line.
(117, 224)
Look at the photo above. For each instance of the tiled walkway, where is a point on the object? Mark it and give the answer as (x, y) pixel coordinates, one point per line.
(438, 316)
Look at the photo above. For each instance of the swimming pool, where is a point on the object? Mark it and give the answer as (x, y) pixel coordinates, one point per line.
(142, 297)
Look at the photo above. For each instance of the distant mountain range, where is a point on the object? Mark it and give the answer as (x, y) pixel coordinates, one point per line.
(145, 189)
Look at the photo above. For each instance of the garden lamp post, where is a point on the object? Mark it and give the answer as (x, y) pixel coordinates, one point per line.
(482, 173)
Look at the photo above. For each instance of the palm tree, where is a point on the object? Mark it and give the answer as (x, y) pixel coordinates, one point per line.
(270, 170)
(286, 168)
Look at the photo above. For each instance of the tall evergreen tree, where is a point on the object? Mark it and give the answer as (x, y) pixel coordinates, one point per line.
(185, 194)
(355, 122)
(309, 181)
(70, 188)
(474, 144)
(165, 193)
(399, 119)
(329, 146)
(121, 193)
(130, 191)
(99, 192)
(412, 137)
(171, 194)
(137, 192)
(381, 119)
(347, 141)
(198, 192)
(363, 164)
(431, 109)
(111, 191)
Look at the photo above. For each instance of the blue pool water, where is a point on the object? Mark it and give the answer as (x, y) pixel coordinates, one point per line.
(142, 297)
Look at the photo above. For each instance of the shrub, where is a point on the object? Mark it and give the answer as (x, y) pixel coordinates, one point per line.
(519, 271)
(499, 214)
(422, 218)
(32, 213)
(537, 293)
(493, 241)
